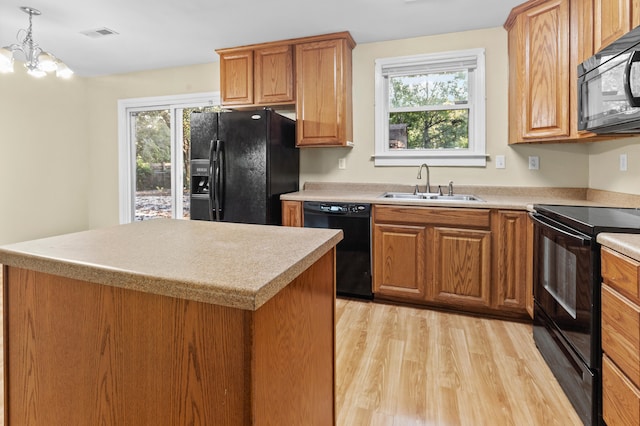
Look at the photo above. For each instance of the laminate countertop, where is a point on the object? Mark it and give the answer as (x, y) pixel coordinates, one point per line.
(514, 198)
(627, 244)
(228, 264)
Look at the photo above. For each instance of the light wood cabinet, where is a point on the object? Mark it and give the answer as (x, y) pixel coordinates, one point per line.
(312, 73)
(539, 73)
(400, 253)
(472, 260)
(236, 77)
(547, 40)
(257, 76)
(620, 338)
(461, 262)
(274, 75)
(323, 92)
(611, 20)
(512, 249)
(292, 213)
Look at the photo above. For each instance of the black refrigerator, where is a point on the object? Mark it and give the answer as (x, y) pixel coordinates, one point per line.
(241, 162)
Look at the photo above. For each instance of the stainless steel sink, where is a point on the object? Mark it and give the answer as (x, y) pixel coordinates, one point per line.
(427, 196)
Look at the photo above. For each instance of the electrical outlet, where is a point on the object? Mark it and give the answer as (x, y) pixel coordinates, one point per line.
(500, 162)
(342, 163)
(623, 162)
(534, 162)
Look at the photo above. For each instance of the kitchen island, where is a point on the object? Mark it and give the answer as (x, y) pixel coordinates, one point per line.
(171, 322)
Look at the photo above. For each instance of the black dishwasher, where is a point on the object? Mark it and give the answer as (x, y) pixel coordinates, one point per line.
(353, 253)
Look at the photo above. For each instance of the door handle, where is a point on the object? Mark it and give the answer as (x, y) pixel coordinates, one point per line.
(634, 101)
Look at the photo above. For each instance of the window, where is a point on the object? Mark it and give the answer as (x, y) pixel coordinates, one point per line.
(431, 108)
(154, 155)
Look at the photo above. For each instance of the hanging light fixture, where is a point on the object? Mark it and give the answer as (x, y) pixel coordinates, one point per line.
(37, 62)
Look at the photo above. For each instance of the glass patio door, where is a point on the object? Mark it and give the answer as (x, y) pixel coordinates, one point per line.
(155, 156)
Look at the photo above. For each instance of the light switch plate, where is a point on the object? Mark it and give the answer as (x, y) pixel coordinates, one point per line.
(500, 162)
(534, 162)
(623, 162)
(342, 163)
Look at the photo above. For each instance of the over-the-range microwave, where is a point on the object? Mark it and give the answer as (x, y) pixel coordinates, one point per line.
(609, 88)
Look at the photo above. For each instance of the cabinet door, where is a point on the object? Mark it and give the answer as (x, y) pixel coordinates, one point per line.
(612, 19)
(236, 77)
(510, 260)
(323, 93)
(274, 75)
(539, 83)
(399, 259)
(292, 213)
(461, 267)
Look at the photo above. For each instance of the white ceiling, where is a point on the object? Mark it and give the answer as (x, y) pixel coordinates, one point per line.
(165, 33)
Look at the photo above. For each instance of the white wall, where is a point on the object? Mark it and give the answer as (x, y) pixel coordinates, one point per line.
(604, 170)
(560, 165)
(44, 151)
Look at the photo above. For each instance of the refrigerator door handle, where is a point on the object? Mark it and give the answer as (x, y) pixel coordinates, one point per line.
(220, 179)
(211, 178)
(216, 180)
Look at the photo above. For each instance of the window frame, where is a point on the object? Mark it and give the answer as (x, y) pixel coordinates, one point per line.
(127, 150)
(475, 155)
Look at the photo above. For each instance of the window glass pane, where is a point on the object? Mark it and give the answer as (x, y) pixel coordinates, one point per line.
(444, 88)
(444, 129)
(153, 164)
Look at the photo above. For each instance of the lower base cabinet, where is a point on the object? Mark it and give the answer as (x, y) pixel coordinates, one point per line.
(401, 251)
(461, 267)
(471, 260)
(620, 338)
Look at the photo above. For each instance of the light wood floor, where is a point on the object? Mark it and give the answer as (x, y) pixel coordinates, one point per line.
(398, 366)
(405, 366)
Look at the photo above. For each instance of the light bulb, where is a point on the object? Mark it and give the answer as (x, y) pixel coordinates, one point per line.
(6, 60)
(35, 72)
(63, 70)
(46, 62)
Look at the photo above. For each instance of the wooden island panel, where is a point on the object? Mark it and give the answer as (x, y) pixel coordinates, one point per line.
(81, 353)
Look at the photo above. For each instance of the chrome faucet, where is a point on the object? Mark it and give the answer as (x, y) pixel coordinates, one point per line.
(428, 187)
(450, 188)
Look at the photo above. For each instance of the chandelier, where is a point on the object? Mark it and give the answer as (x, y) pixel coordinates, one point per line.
(37, 62)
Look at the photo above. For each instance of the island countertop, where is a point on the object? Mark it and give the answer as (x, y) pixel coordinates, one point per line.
(235, 265)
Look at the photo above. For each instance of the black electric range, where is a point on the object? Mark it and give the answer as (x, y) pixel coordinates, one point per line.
(593, 220)
(566, 292)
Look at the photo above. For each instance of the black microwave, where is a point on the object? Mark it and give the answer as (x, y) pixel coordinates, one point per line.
(609, 88)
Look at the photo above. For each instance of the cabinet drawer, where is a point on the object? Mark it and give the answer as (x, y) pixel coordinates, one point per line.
(621, 332)
(621, 273)
(620, 398)
(458, 217)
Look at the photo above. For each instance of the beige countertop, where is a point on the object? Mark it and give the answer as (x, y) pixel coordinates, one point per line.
(515, 198)
(627, 244)
(235, 265)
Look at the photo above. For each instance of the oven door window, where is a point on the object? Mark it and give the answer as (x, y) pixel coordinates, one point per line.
(564, 285)
(559, 275)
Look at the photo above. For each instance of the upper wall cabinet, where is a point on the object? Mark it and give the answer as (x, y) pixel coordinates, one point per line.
(273, 77)
(236, 77)
(612, 19)
(257, 76)
(314, 73)
(323, 96)
(539, 64)
(547, 41)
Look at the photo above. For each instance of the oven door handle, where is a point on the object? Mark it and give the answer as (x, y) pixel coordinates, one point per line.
(547, 223)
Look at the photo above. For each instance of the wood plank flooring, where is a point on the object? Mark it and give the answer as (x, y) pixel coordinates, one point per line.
(407, 366)
(400, 366)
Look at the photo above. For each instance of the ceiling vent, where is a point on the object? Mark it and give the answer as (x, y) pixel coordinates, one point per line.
(99, 32)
